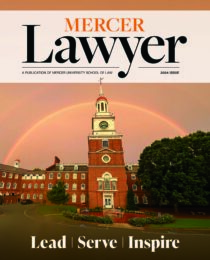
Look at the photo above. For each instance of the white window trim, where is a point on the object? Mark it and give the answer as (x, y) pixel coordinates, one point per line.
(75, 176)
(74, 185)
(134, 189)
(83, 188)
(74, 198)
(83, 176)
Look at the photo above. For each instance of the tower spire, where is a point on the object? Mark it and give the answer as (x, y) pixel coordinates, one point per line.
(101, 93)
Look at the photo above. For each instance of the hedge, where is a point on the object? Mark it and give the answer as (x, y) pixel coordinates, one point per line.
(89, 218)
(140, 222)
(96, 209)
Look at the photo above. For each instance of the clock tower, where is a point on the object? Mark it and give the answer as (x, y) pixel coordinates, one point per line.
(106, 166)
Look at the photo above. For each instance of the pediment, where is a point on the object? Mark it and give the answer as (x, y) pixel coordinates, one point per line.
(106, 150)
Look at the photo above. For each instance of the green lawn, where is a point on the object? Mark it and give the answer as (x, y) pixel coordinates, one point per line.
(54, 209)
(186, 223)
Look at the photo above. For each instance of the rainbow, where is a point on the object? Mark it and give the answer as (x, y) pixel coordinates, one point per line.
(45, 119)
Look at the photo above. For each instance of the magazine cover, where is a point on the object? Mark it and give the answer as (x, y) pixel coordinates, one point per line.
(105, 129)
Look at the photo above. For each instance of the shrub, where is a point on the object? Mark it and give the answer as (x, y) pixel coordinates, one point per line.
(96, 209)
(140, 222)
(89, 218)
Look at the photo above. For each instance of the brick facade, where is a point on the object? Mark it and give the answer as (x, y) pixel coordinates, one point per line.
(103, 182)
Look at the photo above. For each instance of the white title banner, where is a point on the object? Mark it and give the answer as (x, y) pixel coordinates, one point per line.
(118, 46)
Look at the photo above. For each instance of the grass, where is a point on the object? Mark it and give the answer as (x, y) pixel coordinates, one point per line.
(186, 223)
(54, 209)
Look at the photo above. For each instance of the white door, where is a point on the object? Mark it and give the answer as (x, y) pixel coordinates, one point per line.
(108, 201)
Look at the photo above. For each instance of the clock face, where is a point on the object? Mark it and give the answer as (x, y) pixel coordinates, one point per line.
(103, 124)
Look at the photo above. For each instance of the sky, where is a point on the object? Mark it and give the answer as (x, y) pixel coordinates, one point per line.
(40, 121)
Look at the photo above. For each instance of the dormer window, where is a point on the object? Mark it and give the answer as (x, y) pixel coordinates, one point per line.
(61, 167)
(130, 167)
(75, 167)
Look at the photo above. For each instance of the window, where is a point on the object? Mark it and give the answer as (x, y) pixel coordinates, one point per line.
(34, 196)
(1, 185)
(8, 185)
(28, 196)
(114, 185)
(61, 167)
(16, 176)
(83, 176)
(35, 186)
(106, 158)
(107, 182)
(3, 174)
(75, 167)
(107, 185)
(10, 176)
(67, 176)
(142, 187)
(144, 199)
(22, 196)
(82, 198)
(49, 186)
(37, 177)
(102, 106)
(41, 196)
(29, 186)
(14, 186)
(74, 186)
(105, 143)
(133, 176)
(74, 176)
(24, 186)
(74, 198)
(66, 186)
(51, 176)
(100, 185)
(130, 167)
(82, 186)
(43, 176)
(59, 175)
(136, 199)
(42, 185)
(134, 187)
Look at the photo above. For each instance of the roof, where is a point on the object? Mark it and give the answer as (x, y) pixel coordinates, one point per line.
(131, 168)
(68, 167)
(12, 169)
(101, 98)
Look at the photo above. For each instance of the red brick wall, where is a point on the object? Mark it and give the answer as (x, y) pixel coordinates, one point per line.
(115, 167)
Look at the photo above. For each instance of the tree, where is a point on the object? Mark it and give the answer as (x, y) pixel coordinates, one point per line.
(1, 200)
(175, 171)
(58, 194)
(130, 200)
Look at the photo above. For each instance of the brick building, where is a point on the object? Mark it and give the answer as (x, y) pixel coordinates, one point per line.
(103, 182)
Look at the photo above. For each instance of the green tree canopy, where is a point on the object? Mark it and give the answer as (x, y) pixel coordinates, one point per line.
(130, 200)
(58, 193)
(177, 171)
